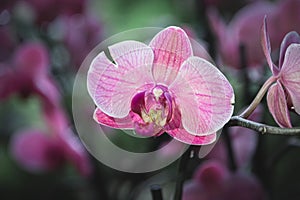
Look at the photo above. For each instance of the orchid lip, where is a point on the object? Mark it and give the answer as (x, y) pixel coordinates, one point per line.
(154, 107)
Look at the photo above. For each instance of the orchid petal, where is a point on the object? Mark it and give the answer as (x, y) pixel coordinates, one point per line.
(290, 38)
(278, 106)
(176, 130)
(99, 64)
(120, 123)
(265, 42)
(290, 74)
(113, 86)
(205, 96)
(186, 137)
(171, 47)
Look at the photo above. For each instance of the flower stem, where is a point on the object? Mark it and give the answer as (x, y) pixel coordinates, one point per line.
(261, 128)
(156, 192)
(183, 163)
(246, 113)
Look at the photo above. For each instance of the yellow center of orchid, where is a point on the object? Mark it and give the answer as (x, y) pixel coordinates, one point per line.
(156, 114)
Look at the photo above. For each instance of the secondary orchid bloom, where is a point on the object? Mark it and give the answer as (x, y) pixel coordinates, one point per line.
(285, 93)
(160, 87)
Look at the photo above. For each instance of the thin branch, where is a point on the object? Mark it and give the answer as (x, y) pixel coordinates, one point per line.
(262, 128)
(246, 113)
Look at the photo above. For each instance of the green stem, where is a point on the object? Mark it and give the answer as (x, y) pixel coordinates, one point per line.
(246, 113)
(183, 163)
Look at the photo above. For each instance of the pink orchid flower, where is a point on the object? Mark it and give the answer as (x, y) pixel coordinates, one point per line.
(160, 87)
(284, 94)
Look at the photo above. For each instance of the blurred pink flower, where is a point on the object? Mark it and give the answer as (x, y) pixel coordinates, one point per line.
(36, 151)
(73, 149)
(287, 18)
(160, 88)
(213, 181)
(28, 74)
(244, 29)
(284, 94)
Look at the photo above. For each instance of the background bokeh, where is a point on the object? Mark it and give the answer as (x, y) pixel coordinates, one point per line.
(43, 44)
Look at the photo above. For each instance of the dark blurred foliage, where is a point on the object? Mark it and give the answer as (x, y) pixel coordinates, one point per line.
(44, 42)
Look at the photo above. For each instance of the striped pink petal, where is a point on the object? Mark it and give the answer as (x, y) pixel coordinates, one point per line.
(171, 47)
(186, 137)
(290, 74)
(104, 119)
(204, 96)
(265, 42)
(290, 38)
(277, 104)
(112, 86)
